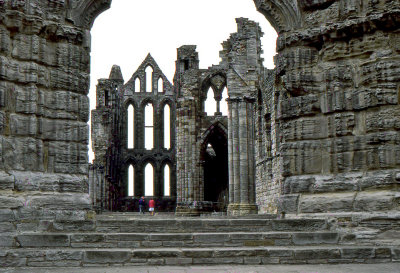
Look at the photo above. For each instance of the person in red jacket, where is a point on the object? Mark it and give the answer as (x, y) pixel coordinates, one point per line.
(151, 206)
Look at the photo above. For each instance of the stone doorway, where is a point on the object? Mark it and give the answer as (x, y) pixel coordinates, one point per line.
(214, 154)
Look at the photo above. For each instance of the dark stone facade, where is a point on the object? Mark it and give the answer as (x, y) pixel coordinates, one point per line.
(110, 136)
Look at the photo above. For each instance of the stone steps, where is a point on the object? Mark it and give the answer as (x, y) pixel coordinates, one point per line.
(64, 257)
(132, 240)
(160, 240)
(180, 225)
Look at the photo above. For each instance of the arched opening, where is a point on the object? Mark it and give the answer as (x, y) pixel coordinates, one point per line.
(149, 79)
(137, 85)
(148, 127)
(160, 84)
(149, 180)
(210, 105)
(131, 181)
(167, 126)
(224, 103)
(109, 41)
(131, 127)
(214, 156)
(167, 180)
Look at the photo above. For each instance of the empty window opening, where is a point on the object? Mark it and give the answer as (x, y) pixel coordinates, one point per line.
(131, 181)
(131, 127)
(210, 105)
(149, 79)
(137, 85)
(167, 176)
(149, 176)
(186, 64)
(148, 127)
(160, 85)
(106, 98)
(167, 127)
(224, 103)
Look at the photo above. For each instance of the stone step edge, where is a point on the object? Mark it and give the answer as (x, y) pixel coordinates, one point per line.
(175, 256)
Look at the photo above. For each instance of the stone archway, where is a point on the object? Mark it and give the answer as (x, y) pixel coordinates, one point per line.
(214, 160)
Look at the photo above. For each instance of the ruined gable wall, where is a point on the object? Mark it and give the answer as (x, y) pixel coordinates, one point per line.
(338, 81)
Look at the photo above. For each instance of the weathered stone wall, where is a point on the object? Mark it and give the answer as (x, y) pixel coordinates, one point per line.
(193, 124)
(338, 77)
(44, 109)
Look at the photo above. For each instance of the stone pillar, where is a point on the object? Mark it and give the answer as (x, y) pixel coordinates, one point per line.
(241, 149)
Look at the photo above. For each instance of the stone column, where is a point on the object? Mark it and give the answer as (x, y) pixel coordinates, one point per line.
(230, 155)
(241, 150)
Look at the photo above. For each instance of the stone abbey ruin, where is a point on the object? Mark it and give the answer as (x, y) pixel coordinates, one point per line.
(306, 165)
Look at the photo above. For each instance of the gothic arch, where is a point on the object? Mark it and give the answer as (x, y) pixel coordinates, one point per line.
(283, 15)
(215, 125)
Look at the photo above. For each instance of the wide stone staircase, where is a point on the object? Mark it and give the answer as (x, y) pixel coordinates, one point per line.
(131, 239)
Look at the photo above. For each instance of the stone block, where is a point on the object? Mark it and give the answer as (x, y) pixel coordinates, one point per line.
(6, 215)
(26, 99)
(6, 181)
(383, 252)
(63, 130)
(159, 253)
(127, 237)
(312, 254)
(7, 227)
(376, 200)
(210, 238)
(63, 201)
(332, 202)
(341, 182)
(12, 260)
(5, 41)
(305, 128)
(72, 80)
(10, 202)
(302, 157)
(288, 203)
(63, 255)
(106, 256)
(357, 253)
(375, 180)
(198, 253)
(395, 254)
(170, 237)
(178, 261)
(87, 238)
(7, 241)
(64, 105)
(298, 224)
(22, 153)
(23, 125)
(36, 240)
(64, 157)
(315, 238)
(298, 184)
(219, 261)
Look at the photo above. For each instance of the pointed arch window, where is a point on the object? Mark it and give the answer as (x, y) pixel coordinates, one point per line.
(148, 127)
(210, 105)
(167, 177)
(149, 180)
(149, 79)
(167, 126)
(131, 127)
(131, 181)
(160, 85)
(137, 85)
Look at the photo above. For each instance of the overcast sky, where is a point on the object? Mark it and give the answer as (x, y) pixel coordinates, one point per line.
(131, 29)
